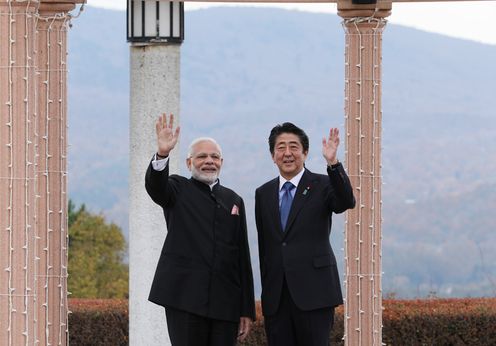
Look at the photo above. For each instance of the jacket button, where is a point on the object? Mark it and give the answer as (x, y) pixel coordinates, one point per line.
(284, 243)
(218, 205)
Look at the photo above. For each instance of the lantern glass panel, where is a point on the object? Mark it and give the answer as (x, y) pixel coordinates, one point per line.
(150, 19)
(176, 30)
(137, 19)
(164, 19)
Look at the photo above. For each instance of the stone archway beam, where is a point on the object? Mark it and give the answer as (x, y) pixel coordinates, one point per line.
(379, 2)
(64, 1)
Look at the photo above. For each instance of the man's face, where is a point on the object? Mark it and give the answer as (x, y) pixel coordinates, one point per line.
(289, 155)
(205, 162)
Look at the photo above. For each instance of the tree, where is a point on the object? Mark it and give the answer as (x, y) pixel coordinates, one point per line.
(96, 251)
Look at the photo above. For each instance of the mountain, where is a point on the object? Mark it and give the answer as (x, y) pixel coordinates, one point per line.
(245, 69)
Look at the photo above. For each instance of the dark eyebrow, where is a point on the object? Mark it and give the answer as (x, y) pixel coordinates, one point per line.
(290, 142)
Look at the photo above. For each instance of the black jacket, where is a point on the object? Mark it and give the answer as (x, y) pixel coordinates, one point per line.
(204, 267)
(302, 254)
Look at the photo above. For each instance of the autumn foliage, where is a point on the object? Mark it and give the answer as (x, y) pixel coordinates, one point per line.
(469, 321)
(96, 256)
(94, 322)
(440, 322)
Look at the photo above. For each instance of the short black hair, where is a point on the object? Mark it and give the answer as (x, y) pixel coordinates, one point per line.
(287, 128)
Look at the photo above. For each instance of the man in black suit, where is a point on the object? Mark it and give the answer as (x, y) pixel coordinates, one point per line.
(203, 277)
(300, 280)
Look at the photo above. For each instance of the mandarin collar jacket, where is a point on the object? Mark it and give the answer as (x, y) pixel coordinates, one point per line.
(204, 267)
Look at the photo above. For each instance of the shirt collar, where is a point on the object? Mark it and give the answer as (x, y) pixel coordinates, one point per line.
(210, 186)
(295, 180)
(213, 184)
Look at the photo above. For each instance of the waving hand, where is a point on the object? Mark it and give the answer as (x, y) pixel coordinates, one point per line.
(166, 137)
(330, 146)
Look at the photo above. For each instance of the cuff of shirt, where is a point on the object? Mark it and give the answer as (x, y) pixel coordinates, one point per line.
(159, 165)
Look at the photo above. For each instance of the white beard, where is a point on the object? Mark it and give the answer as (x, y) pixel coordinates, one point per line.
(207, 178)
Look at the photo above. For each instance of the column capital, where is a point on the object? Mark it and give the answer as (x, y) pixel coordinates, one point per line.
(57, 6)
(381, 9)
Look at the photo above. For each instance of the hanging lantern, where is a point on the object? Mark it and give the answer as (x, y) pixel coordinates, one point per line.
(155, 21)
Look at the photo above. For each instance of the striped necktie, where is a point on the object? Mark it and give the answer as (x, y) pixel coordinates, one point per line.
(286, 201)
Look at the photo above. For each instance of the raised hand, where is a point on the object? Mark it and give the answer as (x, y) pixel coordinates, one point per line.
(166, 137)
(330, 146)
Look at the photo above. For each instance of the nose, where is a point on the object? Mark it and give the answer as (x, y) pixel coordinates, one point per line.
(287, 151)
(209, 160)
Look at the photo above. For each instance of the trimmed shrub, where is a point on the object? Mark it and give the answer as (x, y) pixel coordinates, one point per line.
(440, 322)
(98, 322)
(406, 322)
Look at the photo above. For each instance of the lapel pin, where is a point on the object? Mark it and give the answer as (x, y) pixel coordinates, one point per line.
(306, 190)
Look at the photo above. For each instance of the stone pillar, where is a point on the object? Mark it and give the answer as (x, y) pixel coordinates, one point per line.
(363, 26)
(154, 90)
(51, 177)
(17, 172)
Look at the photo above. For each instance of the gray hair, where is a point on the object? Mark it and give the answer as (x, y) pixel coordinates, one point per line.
(199, 140)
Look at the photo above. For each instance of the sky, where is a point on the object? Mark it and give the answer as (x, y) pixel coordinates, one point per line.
(472, 20)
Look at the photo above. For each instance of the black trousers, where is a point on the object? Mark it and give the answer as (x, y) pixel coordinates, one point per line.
(187, 329)
(290, 326)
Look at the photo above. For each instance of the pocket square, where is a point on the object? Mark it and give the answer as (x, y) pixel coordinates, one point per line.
(235, 210)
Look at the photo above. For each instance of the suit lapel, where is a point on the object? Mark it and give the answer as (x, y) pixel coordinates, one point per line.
(303, 191)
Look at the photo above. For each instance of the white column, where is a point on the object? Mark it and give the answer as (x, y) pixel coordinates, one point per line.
(154, 90)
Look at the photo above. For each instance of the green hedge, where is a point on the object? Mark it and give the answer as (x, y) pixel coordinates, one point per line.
(406, 322)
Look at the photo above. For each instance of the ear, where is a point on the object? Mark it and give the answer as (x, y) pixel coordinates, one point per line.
(188, 163)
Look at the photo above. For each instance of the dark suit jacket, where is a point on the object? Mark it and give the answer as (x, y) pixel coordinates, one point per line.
(204, 267)
(302, 254)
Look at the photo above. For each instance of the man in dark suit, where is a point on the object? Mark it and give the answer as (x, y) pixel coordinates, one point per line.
(300, 280)
(203, 277)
